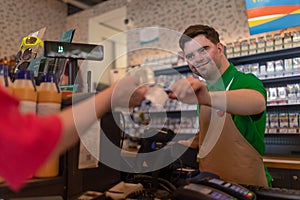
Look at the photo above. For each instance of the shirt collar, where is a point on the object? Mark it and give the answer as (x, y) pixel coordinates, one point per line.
(225, 79)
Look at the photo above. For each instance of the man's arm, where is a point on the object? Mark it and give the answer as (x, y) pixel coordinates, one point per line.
(238, 102)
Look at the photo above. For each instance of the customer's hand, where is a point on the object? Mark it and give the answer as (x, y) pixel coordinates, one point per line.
(127, 92)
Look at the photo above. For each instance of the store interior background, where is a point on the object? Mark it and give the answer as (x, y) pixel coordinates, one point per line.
(103, 23)
(19, 18)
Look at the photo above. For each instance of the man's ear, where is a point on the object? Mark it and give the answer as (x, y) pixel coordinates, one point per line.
(220, 47)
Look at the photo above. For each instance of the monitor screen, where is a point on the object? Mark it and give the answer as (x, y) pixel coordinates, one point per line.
(73, 50)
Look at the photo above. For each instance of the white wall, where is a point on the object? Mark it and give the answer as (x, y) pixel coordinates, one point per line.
(22, 17)
(227, 16)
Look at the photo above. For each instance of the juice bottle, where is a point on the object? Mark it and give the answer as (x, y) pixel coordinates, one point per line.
(25, 90)
(5, 80)
(48, 102)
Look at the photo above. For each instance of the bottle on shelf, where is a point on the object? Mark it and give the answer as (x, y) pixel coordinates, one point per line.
(48, 101)
(25, 90)
(7, 84)
(5, 80)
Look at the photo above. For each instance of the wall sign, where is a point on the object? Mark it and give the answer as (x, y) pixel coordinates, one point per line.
(271, 15)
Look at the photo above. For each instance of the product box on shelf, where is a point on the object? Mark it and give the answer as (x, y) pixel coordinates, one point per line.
(244, 47)
(262, 71)
(247, 68)
(261, 44)
(296, 38)
(293, 122)
(273, 95)
(240, 68)
(288, 66)
(278, 41)
(252, 46)
(282, 95)
(283, 122)
(229, 50)
(254, 69)
(296, 65)
(269, 43)
(274, 123)
(270, 68)
(292, 90)
(287, 40)
(237, 49)
(278, 67)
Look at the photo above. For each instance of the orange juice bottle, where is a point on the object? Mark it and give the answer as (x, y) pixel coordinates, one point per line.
(25, 90)
(5, 80)
(48, 102)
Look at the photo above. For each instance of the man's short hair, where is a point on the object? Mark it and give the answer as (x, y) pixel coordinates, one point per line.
(195, 30)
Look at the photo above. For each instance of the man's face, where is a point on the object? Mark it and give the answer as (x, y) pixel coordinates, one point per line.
(203, 57)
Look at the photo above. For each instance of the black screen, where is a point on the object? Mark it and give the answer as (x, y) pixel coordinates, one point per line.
(73, 50)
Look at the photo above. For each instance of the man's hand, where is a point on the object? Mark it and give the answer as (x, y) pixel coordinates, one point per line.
(127, 92)
(190, 90)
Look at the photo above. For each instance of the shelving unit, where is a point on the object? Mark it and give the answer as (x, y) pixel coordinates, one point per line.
(282, 149)
(280, 144)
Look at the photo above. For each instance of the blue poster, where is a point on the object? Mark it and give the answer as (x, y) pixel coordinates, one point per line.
(271, 15)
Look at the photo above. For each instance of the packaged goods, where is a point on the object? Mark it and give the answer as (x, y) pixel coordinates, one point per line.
(261, 44)
(237, 48)
(244, 47)
(278, 41)
(269, 43)
(287, 40)
(252, 46)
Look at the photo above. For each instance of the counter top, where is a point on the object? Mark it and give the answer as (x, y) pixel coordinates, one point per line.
(282, 162)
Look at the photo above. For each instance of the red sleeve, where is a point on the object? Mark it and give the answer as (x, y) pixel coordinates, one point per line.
(26, 141)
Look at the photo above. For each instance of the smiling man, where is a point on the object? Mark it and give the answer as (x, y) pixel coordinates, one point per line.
(232, 110)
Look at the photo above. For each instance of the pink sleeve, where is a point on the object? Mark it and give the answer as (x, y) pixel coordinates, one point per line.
(26, 141)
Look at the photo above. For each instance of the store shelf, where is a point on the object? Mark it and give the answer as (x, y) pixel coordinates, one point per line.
(173, 70)
(283, 107)
(281, 80)
(283, 144)
(267, 56)
(277, 142)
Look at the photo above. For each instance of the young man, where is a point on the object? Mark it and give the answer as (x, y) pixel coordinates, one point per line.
(232, 109)
(28, 140)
